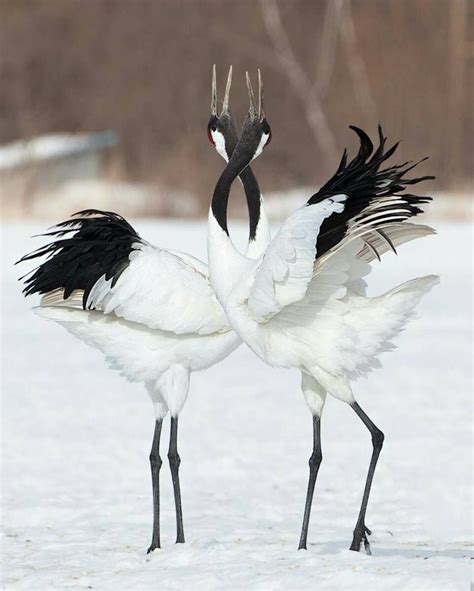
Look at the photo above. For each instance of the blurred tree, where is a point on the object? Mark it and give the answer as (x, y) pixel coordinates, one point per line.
(143, 68)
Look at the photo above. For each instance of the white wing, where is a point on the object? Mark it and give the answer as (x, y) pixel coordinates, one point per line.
(335, 327)
(287, 267)
(160, 289)
(319, 302)
(309, 284)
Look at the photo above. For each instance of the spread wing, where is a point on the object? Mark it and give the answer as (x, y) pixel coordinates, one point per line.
(99, 262)
(364, 204)
(287, 266)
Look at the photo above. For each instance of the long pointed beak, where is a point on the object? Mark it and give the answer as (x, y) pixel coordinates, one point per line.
(261, 112)
(252, 107)
(214, 92)
(225, 104)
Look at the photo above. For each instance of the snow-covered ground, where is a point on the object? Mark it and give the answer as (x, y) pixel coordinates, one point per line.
(76, 438)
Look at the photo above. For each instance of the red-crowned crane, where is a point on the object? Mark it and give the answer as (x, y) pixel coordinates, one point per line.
(303, 303)
(150, 310)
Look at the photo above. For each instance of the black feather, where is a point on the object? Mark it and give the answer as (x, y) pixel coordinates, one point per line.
(91, 244)
(364, 182)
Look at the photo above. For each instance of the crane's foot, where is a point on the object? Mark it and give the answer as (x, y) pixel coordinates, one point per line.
(360, 535)
(152, 547)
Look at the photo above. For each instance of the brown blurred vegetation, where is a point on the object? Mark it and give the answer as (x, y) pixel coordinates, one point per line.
(142, 67)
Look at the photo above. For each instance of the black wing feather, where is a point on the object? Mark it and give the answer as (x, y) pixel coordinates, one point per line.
(364, 181)
(91, 244)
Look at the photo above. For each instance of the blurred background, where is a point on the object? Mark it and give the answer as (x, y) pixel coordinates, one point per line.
(106, 103)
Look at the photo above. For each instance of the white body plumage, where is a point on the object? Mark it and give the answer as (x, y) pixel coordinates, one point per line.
(160, 322)
(294, 310)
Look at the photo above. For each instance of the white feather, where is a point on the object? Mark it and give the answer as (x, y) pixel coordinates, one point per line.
(286, 268)
(161, 290)
(156, 358)
(294, 310)
(219, 143)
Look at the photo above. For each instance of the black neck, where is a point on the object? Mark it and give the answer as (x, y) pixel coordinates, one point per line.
(252, 193)
(249, 182)
(220, 197)
(236, 166)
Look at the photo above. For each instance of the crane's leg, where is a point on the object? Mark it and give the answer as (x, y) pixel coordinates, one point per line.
(314, 463)
(175, 461)
(360, 530)
(155, 463)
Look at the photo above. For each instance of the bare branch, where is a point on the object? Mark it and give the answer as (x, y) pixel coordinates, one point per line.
(299, 81)
(356, 64)
(281, 43)
(327, 49)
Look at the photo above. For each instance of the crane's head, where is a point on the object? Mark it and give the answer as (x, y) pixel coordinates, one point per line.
(221, 129)
(256, 132)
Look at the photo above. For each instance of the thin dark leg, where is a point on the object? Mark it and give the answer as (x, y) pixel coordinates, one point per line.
(314, 463)
(155, 463)
(175, 461)
(360, 530)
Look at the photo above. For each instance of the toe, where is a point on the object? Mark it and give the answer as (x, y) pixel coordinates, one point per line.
(151, 548)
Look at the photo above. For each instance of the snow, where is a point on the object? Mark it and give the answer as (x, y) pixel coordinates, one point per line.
(53, 145)
(134, 199)
(76, 439)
